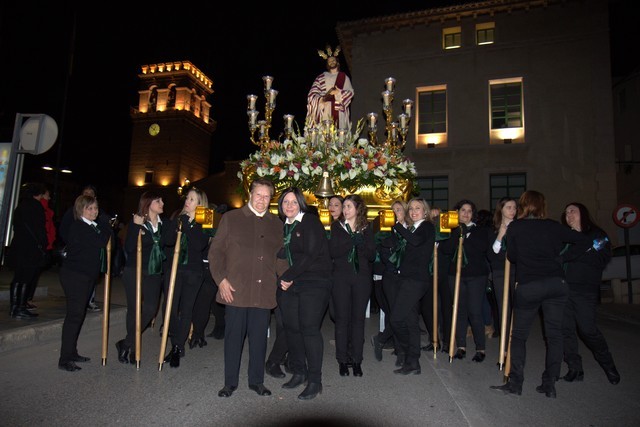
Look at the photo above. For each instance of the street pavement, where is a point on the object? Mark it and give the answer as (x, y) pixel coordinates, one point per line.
(447, 393)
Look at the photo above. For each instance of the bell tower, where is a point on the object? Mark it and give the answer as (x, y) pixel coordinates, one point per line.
(171, 132)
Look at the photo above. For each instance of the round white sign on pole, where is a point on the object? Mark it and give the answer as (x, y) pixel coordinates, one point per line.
(626, 216)
(38, 134)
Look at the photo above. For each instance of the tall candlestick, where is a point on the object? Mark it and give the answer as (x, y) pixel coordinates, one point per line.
(272, 97)
(253, 116)
(373, 118)
(252, 102)
(386, 99)
(407, 103)
(267, 82)
(288, 121)
(390, 82)
(403, 118)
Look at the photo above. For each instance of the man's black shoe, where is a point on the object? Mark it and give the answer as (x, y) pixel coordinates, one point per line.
(227, 391)
(260, 389)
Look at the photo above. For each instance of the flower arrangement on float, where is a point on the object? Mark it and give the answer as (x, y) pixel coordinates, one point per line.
(351, 161)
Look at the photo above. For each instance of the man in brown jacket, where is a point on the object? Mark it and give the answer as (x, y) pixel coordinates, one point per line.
(242, 259)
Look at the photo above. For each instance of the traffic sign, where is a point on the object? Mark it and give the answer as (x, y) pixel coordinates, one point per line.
(626, 216)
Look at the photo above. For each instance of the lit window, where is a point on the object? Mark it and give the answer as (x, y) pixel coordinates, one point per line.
(451, 37)
(485, 33)
(507, 185)
(435, 190)
(431, 112)
(506, 105)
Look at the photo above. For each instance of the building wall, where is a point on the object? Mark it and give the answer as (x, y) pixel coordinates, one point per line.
(560, 51)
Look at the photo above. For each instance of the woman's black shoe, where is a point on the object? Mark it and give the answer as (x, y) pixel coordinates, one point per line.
(508, 388)
(69, 366)
(357, 370)
(311, 391)
(573, 376)
(295, 381)
(200, 342)
(479, 357)
(173, 357)
(344, 369)
(123, 352)
(548, 389)
(461, 353)
(274, 370)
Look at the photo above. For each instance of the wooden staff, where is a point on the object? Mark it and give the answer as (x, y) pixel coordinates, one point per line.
(169, 297)
(138, 299)
(505, 307)
(456, 297)
(107, 294)
(507, 366)
(434, 337)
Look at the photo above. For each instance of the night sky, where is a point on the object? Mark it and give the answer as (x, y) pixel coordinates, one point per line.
(88, 83)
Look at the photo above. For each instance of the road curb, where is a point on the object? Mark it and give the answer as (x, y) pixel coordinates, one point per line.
(47, 331)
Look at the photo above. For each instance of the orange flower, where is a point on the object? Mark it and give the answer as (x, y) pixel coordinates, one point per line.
(276, 169)
(371, 165)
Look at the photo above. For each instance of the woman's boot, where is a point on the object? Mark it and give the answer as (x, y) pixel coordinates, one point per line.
(20, 310)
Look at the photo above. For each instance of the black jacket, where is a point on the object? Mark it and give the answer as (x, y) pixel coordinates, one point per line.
(309, 249)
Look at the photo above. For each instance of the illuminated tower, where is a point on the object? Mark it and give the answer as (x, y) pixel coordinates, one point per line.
(171, 131)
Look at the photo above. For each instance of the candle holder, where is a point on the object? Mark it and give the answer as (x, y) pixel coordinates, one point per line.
(262, 126)
(396, 131)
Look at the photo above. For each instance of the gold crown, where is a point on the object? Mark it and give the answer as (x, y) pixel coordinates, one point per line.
(325, 54)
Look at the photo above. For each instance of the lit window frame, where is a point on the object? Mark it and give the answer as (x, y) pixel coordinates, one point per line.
(431, 139)
(511, 111)
(485, 33)
(451, 38)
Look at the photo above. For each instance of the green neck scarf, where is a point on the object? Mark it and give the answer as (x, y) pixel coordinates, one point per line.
(103, 253)
(397, 253)
(157, 256)
(353, 253)
(288, 229)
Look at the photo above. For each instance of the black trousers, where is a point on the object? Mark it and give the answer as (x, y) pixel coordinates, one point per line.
(390, 286)
(405, 318)
(551, 295)
(77, 288)
(151, 289)
(303, 309)
(580, 318)
(350, 295)
(204, 303)
(470, 302)
(187, 286)
(279, 349)
(241, 323)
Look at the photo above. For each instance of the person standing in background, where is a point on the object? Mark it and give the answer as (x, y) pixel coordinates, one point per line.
(86, 259)
(27, 253)
(584, 274)
(50, 228)
(534, 245)
(243, 262)
(189, 276)
(353, 249)
(154, 236)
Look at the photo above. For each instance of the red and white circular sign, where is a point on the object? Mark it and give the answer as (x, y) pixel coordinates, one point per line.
(626, 216)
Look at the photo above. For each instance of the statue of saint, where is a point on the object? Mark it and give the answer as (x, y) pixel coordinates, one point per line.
(330, 95)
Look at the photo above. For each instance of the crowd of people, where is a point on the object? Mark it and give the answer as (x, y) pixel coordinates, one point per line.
(303, 273)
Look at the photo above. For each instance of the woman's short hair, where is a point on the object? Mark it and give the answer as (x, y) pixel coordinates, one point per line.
(82, 202)
(474, 209)
(425, 206)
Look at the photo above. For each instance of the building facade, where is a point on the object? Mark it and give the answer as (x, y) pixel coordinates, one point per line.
(508, 95)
